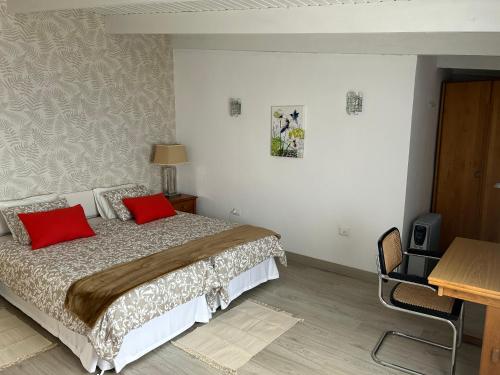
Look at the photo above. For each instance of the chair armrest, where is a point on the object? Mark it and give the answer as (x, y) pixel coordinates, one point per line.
(409, 279)
(424, 254)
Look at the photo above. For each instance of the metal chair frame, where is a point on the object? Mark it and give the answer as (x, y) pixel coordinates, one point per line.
(457, 327)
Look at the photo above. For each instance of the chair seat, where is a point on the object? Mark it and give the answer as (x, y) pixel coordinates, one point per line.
(425, 300)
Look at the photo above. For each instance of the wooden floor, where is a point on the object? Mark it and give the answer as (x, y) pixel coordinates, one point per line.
(342, 321)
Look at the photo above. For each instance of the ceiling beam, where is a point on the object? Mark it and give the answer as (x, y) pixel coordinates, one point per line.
(28, 6)
(379, 17)
(469, 62)
(478, 44)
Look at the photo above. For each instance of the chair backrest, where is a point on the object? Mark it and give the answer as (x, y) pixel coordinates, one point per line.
(390, 251)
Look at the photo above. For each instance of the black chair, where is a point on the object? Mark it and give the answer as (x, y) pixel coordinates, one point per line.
(413, 294)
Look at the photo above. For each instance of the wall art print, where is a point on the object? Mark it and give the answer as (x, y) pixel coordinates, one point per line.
(287, 131)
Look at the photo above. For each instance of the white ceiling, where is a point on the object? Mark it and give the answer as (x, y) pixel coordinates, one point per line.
(453, 27)
(157, 7)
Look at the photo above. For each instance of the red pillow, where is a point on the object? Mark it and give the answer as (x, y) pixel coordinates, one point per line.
(149, 208)
(50, 227)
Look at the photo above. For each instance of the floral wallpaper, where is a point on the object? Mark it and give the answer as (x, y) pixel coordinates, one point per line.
(79, 108)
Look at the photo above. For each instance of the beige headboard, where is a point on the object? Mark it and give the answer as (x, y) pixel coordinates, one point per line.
(86, 199)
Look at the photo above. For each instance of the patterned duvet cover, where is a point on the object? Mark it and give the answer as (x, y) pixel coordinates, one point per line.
(43, 277)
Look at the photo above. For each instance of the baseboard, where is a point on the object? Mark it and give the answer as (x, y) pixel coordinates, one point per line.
(473, 340)
(332, 267)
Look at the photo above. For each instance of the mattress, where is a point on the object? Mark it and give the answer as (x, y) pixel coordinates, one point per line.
(42, 278)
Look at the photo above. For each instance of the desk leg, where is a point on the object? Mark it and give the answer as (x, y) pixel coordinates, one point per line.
(490, 353)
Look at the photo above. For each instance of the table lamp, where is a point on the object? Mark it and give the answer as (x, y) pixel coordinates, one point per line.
(168, 156)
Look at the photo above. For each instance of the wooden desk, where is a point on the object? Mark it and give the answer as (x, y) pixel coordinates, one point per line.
(470, 270)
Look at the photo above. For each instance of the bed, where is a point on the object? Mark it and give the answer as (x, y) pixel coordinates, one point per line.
(147, 316)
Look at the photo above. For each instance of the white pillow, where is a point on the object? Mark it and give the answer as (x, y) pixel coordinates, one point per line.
(103, 206)
(4, 229)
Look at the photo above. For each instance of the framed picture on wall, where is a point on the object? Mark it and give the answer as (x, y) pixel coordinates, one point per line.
(287, 131)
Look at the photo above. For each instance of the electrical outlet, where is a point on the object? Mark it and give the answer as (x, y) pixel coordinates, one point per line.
(235, 212)
(344, 231)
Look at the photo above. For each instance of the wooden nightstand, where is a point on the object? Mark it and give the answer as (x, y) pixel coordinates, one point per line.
(184, 203)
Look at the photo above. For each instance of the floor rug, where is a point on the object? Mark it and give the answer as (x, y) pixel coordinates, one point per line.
(230, 340)
(18, 341)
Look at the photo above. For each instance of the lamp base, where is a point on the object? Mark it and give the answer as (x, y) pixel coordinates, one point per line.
(169, 181)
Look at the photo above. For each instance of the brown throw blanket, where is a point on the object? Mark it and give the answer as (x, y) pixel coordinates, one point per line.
(90, 296)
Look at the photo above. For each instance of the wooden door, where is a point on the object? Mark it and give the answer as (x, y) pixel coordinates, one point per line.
(490, 225)
(461, 155)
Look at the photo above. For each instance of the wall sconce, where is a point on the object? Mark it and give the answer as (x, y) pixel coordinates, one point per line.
(354, 102)
(234, 107)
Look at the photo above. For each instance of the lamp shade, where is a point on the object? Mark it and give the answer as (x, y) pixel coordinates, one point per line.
(169, 154)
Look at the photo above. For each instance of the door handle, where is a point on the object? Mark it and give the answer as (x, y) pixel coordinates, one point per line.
(497, 185)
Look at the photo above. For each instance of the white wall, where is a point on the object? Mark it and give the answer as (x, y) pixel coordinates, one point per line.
(428, 79)
(355, 167)
(426, 99)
